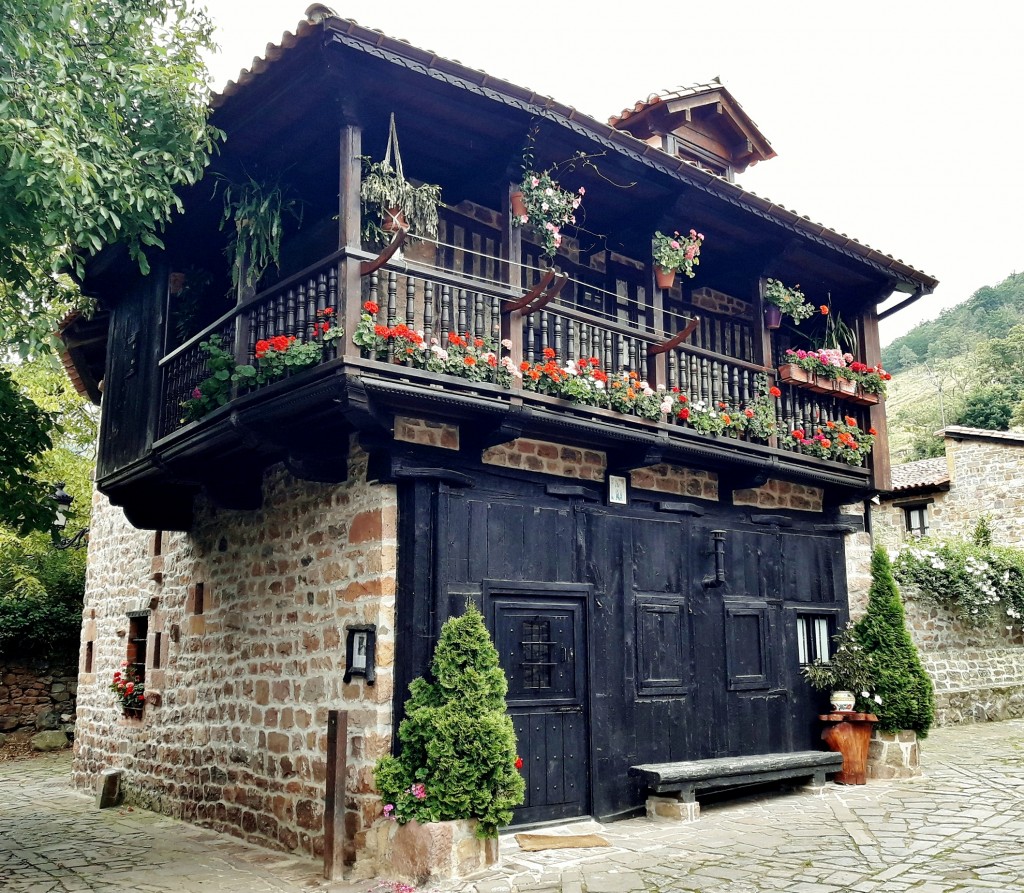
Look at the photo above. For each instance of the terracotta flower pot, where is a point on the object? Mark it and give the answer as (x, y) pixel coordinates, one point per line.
(772, 316)
(664, 278)
(394, 220)
(518, 205)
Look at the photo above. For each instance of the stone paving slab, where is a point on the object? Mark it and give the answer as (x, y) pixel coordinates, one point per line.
(958, 829)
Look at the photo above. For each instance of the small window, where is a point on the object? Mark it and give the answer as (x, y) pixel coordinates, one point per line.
(138, 632)
(917, 520)
(813, 633)
(157, 642)
(88, 656)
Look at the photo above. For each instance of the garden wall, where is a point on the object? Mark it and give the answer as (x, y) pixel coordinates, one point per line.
(37, 694)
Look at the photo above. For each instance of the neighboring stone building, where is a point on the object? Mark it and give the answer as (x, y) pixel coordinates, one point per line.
(982, 473)
(978, 673)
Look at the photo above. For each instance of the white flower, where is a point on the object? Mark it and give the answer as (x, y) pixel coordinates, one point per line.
(865, 694)
(878, 699)
(506, 343)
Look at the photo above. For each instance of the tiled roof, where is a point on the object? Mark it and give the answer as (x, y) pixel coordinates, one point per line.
(318, 14)
(923, 473)
(678, 93)
(959, 432)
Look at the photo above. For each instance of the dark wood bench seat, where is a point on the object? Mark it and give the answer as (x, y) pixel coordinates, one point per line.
(686, 779)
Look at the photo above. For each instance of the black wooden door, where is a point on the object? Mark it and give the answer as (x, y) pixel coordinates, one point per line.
(542, 644)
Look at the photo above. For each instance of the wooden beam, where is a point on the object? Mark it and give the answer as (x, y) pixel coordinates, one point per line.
(349, 225)
(880, 463)
(334, 806)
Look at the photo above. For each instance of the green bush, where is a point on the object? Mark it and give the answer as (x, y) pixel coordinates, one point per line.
(458, 745)
(908, 701)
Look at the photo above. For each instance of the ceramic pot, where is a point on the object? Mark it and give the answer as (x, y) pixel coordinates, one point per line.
(843, 700)
(772, 316)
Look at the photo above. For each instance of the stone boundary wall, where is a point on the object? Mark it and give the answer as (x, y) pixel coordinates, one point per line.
(978, 672)
(248, 614)
(35, 694)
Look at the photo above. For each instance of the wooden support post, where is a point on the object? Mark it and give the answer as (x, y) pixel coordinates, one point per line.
(512, 250)
(334, 807)
(880, 466)
(349, 227)
(657, 364)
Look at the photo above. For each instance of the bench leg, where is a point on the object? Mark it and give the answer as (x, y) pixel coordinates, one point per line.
(681, 807)
(818, 781)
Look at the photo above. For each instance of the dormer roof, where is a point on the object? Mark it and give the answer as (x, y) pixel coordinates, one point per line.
(702, 124)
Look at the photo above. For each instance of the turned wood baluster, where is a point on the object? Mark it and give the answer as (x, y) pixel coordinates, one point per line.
(585, 341)
(302, 321)
(392, 310)
(570, 339)
(609, 359)
(559, 353)
(446, 313)
(529, 343)
(462, 311)
(321, 292)
(277, 309)
(428, 310)
(478, 316)
(332, 290)
(544, 342)
(673, 370)
(496, 322)
(289, 314)
(410, 302)
(734, 375)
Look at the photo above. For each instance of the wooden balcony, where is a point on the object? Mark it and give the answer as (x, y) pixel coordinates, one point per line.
(304, 418)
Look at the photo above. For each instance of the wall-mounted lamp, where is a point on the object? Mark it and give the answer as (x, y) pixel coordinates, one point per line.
(718, 548)
(64, 500)
(360, 645)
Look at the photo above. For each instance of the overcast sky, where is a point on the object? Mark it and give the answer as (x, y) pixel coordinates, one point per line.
(898, 123)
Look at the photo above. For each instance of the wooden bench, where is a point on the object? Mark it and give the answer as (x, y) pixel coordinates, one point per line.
(674, 786)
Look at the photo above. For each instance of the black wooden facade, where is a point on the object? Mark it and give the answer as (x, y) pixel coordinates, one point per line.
(624, 642)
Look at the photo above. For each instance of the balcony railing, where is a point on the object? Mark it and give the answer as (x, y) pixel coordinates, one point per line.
(435, 301)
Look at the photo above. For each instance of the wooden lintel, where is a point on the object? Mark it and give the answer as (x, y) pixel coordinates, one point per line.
(371, 266)
(676, 339)
(532, 294)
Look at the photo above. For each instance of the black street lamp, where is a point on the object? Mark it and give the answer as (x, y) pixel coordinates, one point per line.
(64, 500)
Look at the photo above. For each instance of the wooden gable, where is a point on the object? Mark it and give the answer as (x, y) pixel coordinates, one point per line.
(702, 124)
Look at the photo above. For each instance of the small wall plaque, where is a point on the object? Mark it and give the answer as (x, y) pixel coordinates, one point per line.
(617, 490)
(359, 652)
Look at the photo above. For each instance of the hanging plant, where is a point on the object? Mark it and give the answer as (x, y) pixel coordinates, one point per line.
(790, 301)
(390, 201)
(255, 210)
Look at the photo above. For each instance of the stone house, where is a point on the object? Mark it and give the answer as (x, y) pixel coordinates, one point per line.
(652, 585)
(978, 673)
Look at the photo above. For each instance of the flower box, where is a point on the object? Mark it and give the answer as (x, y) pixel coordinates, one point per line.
(845, 387)
(864, 398)
(432, 852)
(790, 373)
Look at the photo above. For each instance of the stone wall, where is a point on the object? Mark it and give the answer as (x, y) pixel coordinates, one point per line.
(978, 672)
(36, 694)
(548, 458)
(248, 614)
(777, 494)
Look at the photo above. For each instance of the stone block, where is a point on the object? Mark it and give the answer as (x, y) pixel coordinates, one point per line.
(50, 740)
(435, 851)
(47, 720)
(108, 789)
(672, 809)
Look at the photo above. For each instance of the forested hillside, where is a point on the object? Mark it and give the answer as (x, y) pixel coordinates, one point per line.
(966, 367)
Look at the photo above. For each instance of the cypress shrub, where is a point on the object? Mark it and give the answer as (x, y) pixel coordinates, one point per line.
(908, 701)
(458, 746)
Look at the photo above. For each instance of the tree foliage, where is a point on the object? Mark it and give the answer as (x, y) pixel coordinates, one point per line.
(103, 114)
(24, 436)
(458, 744)
(907, 698)
(988, 407)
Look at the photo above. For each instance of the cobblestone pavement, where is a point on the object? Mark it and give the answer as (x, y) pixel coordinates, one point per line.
(958, 828)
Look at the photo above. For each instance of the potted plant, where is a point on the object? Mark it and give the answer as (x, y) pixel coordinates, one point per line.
(458, 760)
(546, 206)
(676, 254)
(848, 674)
(391, 202)
(255, 210)
(128, 690)
(783, 300)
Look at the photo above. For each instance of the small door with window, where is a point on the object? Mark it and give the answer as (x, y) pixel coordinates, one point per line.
(541, 642)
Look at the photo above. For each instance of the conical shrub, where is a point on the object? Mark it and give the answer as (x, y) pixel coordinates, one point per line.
(908, 700)
(458, 745)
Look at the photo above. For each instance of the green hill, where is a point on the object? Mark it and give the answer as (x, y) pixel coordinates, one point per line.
(989, 313)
